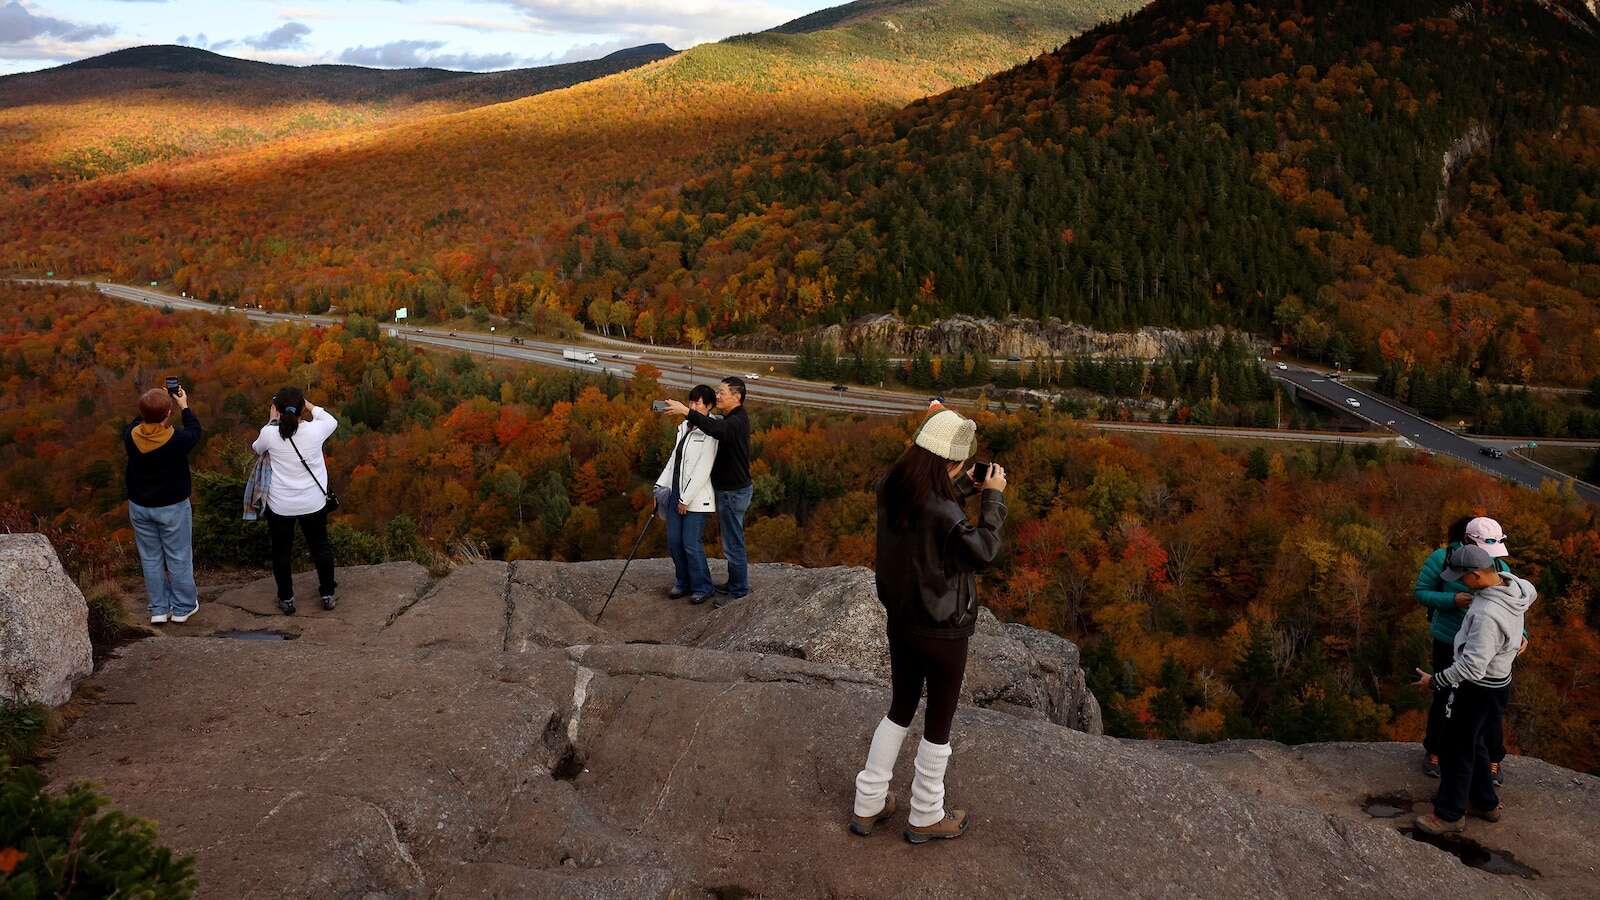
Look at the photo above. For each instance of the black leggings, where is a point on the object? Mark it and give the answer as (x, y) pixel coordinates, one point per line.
(315, 527)
(941, 663)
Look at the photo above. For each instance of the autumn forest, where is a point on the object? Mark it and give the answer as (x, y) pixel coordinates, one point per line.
(1409, 188)
(1218, 593)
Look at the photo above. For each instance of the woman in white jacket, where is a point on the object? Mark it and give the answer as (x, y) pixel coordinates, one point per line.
(688, 474)
(298, 491)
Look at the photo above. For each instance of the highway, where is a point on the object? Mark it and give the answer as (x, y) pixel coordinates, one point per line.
(676, 372)
(1421, 432)
(1407, 428)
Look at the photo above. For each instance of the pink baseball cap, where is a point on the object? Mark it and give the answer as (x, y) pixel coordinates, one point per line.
(1487, 533)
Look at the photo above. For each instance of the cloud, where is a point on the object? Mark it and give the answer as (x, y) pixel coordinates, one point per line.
(290, 34)
(584, 52)
(19, 25)
(652, 17)
(486, 26)
(302, 12)
(414, 54)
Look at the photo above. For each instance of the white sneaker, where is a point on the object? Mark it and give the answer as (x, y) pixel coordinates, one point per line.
(159, 619)
(185, 617)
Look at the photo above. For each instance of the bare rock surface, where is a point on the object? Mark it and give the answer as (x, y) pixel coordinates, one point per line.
(1549, 827)
(44, 624)
(451, 745)
(1023, 338)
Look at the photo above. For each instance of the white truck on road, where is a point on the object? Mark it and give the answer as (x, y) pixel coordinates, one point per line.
(583, 356)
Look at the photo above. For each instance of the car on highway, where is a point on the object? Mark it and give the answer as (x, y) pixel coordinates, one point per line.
(1353, 402)
(452, 334)
(840, 388)
(417, 330)
(517, 340)
(1389, 423)
(1282, 367)
(751, 376)
(1492, 452)
(616, 356)
(1013, 359)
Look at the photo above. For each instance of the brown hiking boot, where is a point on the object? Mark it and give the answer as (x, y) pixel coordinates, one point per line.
(863, 825)
(953, 825)
(1488, 815)
(1432, 824)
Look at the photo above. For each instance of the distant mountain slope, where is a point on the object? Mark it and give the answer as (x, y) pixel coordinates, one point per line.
(475, 207)
(111, 112)
(1412, 181)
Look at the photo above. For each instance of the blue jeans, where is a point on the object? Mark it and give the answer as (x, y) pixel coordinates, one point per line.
(689, 566)
(164, 535)
(731, 507)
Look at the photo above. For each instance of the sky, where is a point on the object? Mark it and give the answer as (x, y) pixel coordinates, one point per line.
(476, 35)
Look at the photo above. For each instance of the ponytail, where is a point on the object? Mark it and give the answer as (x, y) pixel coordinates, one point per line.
(289, 401)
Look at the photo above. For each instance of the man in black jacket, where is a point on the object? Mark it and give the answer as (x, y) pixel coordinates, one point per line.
(730, 478)
(158, 502)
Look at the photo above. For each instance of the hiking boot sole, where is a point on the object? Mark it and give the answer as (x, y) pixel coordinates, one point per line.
(922, 837)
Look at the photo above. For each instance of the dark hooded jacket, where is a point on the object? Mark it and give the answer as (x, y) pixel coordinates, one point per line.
(158, 460)
(926, 573)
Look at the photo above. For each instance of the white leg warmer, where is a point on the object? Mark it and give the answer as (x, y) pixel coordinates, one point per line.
(872, 784)
(927, 787)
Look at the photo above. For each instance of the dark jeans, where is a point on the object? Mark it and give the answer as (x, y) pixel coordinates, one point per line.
(731, 507)
(940, 663)
(315, 527)
(1443, 655)
(689, 567)
(1464, 779)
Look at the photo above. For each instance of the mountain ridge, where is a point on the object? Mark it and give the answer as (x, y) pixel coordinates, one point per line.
(1197, 164)
(493, 181)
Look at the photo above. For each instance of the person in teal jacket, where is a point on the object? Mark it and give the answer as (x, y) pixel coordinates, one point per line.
(1447, 602)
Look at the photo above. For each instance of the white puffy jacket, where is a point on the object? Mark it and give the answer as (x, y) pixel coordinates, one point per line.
(694, 479)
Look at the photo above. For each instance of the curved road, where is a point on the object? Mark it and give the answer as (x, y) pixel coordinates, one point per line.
(675, 371)
(1421, 432)
(1407, 427)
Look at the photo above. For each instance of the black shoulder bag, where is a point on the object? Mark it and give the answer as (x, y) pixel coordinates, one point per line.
(330, 496)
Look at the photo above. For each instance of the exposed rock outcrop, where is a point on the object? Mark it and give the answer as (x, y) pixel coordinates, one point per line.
(1474, 139)
(447, 746)
(44, 624)
(822, 615)
(1024, 338)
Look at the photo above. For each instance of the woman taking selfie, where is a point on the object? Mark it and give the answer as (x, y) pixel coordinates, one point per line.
(298, 491)
(927, 557)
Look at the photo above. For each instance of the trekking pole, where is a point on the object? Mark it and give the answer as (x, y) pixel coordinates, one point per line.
(636, 542)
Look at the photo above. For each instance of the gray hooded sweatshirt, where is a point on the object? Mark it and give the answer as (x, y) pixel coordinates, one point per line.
(1491, 631)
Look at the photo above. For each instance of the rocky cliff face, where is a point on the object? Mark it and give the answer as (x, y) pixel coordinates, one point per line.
(1023, 338)
(489, 734)
(1466, 145)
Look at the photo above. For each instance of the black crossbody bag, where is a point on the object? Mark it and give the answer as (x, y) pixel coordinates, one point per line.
(332, 498)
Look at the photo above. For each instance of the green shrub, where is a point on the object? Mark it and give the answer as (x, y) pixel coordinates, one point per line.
(67, 845)
(23, 727)
(107, 615)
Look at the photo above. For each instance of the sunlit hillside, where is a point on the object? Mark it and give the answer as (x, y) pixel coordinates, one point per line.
(458, 207)
(112, 113)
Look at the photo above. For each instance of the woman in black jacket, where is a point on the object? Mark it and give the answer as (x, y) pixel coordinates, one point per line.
(927, 558)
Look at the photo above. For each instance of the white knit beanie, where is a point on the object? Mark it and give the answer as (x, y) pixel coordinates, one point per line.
(948, 436)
